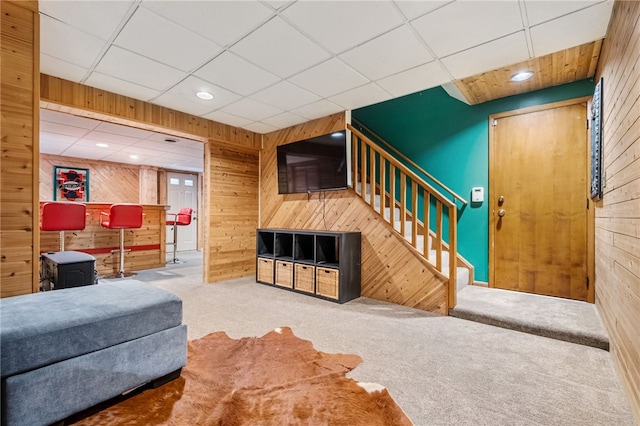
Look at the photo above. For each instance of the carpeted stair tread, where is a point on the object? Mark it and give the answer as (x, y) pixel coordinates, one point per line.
(561, 319)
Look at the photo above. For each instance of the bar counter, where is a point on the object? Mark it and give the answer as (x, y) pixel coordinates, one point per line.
(147, 244)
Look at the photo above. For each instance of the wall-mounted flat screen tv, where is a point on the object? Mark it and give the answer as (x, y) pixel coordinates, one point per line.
(314, 164)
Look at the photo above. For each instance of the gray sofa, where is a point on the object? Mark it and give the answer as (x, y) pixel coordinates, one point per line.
(66, 350)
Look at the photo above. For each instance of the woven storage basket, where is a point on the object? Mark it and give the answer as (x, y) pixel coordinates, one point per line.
(265, 270)
(304, 278)
(327, 282)
(284, 274)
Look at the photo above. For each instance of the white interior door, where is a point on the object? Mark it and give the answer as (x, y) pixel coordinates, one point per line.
(182, 191)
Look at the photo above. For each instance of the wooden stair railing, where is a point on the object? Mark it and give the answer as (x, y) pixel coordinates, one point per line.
(379, 141)
(384, 183)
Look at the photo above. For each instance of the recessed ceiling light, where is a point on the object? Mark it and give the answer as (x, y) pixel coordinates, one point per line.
(102, 145)
(135, 157)
(204, 95)
(522, 76)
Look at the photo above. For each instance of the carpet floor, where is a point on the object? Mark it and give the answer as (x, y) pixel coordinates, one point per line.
(440, 370)
(562, 319)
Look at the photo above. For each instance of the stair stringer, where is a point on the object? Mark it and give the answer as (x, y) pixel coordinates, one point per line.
(392, 270)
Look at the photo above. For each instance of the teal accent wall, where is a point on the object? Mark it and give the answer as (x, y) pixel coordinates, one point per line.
(450, 140)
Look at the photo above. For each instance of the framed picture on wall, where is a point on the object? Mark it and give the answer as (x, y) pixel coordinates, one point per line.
(596, 143)
(70, 184)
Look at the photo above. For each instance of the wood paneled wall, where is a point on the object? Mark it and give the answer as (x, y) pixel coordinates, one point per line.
(20, 91)
(391, 271)
(108, 182)
(618, 215)
(67, 96)
(149, 185)
(232, 208)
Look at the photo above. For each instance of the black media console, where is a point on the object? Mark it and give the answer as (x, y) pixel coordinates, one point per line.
(318, 263)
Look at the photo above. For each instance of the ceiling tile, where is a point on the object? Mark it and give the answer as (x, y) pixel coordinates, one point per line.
(571, 30)
(496, 54)
(53, 147)
(118, 129)
(67, 119)
(63, 129)
(112, 146)
(329, 78)
(322, 108)
(464, 24)
(251, 109)
(161, 147)
(141, 152)
(58, 68)
(226, 118)
(188, 88)
(67, 43)
(278, 4)
(279, 48)
(220, 21)
(115, 85)
(341, 25)
(388, 54)
(285, 96)
(286, 119)
(124, 157)
(180, 103)
(159, 39)
(414, 80)
(127, 66)
(539, 11)
(261, 128)
(413, 9)
(99, 18)
(110, 138)
(361, 97)
(182, 142)
(88, 152)
(57, 138)
(236, 74)
(177, 157)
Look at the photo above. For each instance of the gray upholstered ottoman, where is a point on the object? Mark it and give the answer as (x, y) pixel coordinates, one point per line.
(66, 350)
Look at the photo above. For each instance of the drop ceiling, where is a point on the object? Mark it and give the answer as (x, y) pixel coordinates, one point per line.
(72, 136)
(274, 64)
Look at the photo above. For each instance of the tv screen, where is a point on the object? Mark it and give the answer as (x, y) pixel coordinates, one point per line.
(315, 164)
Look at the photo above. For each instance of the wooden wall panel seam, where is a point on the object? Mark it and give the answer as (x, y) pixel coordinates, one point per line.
(617, 233)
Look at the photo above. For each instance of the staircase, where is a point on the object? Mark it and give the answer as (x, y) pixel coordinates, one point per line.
(400, 197)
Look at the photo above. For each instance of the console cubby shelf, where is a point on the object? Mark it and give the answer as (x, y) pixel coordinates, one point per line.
(318, 263)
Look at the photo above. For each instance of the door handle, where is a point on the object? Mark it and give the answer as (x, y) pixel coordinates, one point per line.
(502, 212)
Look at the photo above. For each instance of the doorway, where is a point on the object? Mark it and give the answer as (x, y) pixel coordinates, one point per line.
(539, 217)
(182, 191)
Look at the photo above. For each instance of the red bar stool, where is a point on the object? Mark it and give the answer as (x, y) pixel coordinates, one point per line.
(182, 218)
(63, 216)
(122, 216)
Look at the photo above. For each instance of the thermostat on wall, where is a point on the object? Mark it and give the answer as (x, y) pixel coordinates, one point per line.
(477, 194)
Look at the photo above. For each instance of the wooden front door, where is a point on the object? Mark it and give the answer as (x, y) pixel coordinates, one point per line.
(538, 202)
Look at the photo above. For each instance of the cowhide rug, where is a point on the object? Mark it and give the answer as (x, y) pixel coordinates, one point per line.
(277, 379)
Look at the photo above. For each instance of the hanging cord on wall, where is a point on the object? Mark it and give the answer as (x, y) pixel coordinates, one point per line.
(324, 205)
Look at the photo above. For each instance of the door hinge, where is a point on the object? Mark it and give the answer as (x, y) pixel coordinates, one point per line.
(587, 283)
(588, 123)
(587, 204)
(495, 123)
